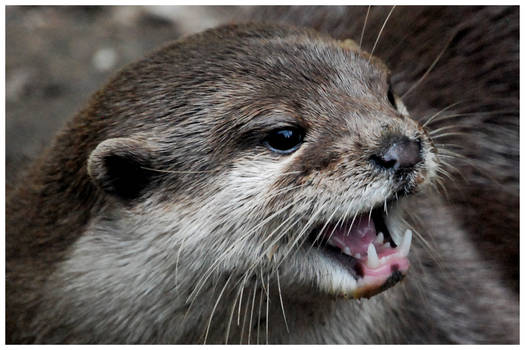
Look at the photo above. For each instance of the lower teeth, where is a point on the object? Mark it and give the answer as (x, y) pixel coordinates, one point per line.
(373, 260)
(405, 244)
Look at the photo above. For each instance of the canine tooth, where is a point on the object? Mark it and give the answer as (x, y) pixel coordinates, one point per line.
(380, 238)
(347, 251)
(386, 245)
(405, 245)
(373, 260)
(396, 237)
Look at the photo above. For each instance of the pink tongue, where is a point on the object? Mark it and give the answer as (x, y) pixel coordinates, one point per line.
(358, 238)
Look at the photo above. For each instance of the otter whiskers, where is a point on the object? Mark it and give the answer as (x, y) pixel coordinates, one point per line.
(244, 236)
(379, 34)
(432, 65)
(364, 25)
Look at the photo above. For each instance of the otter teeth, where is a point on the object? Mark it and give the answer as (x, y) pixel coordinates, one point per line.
(380, 238)
(396, 238)
(378, 250)
(373, 260)
(405, 244)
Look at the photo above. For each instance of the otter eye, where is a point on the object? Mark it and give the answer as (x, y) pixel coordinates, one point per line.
(284, 140)
(391, 97)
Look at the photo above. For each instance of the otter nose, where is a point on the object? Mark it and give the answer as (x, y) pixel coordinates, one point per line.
(400, 154)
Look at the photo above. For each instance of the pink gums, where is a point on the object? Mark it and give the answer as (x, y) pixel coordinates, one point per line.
(357, 237)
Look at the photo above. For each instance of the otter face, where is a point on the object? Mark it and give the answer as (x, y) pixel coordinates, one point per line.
(351, 159)
(284, 155)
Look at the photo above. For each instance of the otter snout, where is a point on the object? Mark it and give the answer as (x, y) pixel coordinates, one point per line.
(399, 154)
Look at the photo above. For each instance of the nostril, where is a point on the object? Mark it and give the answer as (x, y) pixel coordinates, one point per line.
(400, 154)
(383, 163)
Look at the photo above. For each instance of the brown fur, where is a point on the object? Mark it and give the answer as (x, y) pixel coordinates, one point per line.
(47, 205)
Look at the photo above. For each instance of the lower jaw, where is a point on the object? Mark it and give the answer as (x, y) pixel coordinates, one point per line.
(333, 280)
(355, 276)
(340, 281)
(369, 286)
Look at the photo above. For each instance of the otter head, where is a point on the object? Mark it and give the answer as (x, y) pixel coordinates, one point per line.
(264, 151)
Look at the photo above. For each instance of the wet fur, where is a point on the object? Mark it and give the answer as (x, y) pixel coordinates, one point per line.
(450, 295)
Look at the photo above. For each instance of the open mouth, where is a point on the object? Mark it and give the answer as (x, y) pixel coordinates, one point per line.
(375, 257)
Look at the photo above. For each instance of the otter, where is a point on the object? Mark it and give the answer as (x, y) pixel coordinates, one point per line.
(246, 184)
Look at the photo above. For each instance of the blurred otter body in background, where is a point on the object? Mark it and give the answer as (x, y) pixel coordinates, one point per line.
(463, 283)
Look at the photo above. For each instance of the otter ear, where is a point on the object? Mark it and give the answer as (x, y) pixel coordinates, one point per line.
(121, 167)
